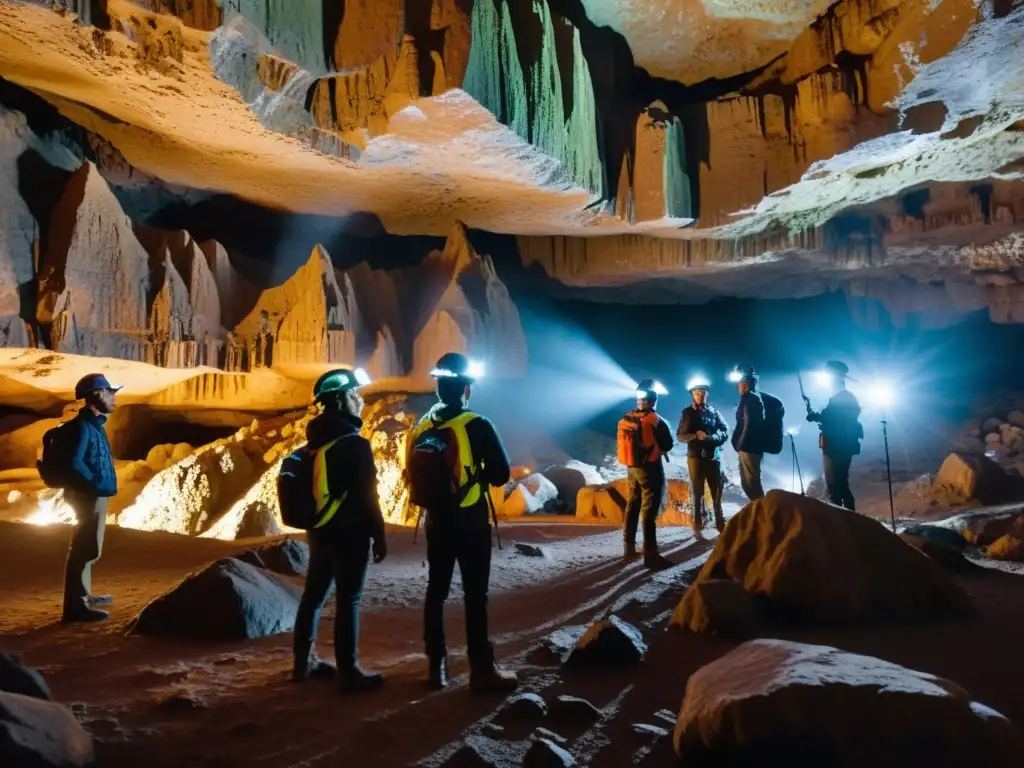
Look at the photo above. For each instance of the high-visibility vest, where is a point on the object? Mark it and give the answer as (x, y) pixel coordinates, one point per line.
(469, 473)
(326, 507)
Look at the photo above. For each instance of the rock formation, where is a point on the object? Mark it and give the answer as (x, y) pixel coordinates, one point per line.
(766, 696)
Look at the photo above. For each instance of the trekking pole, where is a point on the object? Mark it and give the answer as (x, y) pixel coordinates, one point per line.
(494, 514)
(888, 473)
(796, 463)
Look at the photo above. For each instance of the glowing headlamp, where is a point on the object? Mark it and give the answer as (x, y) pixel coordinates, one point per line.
(475, 370)
(824, 378)
(657, 388)
(361, 376)
(734, 376)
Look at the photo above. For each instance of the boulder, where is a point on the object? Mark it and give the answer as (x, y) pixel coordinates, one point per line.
(40, 734)
(990, 425)
(544, 753)
(1006, 548)
(570, 477)
(15, 677)
(950, 558)
(718, 607)
(1016, 418)
(608, 643)
(966, 478)
(478, 752)
(289, 557)
(607, 502)
(227, 600)
(522, 707)
(559, 644)
(947, 537)
(778, 702)
(985, 529)
(527, 496)
(816, 562)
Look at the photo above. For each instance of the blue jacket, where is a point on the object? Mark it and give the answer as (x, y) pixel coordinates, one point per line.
(91, 461)
(746, 438)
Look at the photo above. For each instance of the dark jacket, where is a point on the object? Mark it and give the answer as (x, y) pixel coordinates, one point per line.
(841, 430)
(351, 469)
(488, 451)
(91, 462)
(746, 438)
(707, 419)
(663, 437)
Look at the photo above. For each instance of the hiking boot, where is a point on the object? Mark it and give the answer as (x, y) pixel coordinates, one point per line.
(94, 600)
(653, 560)
(698, 534)
(438, 674)
(82, 612)
(493, 679)
(629, 553)
(357, 680)
(312, 667)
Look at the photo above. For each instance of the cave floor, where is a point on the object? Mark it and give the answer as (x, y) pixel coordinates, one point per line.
(154, 702)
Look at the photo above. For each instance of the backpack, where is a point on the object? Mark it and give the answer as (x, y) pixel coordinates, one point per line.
(630, 441)
(773, 436)
(55, 465)
(433, 466)
(296, 495)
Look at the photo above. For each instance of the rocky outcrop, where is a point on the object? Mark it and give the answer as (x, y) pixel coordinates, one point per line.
(965, 479)
(228, 600)
(814, 562)
(607, 502)
(610, 642)
(94, 276)
(758, 701)
(716, 606)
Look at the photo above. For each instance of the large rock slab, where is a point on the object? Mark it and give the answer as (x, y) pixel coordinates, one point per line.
(716, 606)
(289, 557)
(819, 563)
(985, 529)
(948, 557)
(607, 503)
(15, 677)
(227, 600)
(778, 702)
(41, 734)
(965, 478)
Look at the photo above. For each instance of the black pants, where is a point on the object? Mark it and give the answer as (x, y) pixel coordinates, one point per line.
(646, 493)
(837, 480)
(86, 547)
(470, 547)
(333, 559)
(705, 472)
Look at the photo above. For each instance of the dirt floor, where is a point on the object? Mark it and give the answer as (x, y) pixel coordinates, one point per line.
(169, 703)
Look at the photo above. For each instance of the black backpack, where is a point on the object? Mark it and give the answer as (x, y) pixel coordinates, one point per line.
(773, 436)
(55, 465)
(295, 495)
(433, 469)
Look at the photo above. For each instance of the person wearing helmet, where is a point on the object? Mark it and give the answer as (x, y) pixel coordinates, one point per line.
(646, 479)
(91, 481)
(340, 549)
(458, 522)
(841, 433)
(704, 431)
(746, 438)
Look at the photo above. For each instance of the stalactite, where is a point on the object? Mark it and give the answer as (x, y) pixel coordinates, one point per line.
(516, 103)
(677, 182)
(584, 154)
(548, 131)
(483, 73)
(293, 27)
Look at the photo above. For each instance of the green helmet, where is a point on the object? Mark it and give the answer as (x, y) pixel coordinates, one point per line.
(339, 381)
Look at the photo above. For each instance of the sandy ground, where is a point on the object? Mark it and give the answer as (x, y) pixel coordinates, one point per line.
(162, 703)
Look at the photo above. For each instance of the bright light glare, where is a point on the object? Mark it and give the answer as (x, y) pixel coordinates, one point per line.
(734, 376)
(476, 369)
(880, 394)
(823, 378)
(697, 381)
(793, 431)
(362, 377)
(659, 388)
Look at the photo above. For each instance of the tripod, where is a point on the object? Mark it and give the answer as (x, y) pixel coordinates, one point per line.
(795, 472)
(888, 472)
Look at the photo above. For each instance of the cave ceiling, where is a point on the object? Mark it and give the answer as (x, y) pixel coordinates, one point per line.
(677, 150)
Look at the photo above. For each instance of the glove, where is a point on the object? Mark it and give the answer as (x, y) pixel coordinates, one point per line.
(380, 550)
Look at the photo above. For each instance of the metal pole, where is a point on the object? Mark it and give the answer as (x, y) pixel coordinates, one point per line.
(796, 463)
(888, 472)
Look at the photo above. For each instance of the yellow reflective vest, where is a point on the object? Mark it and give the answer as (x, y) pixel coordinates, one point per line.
(469, 472)
(326, 507)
